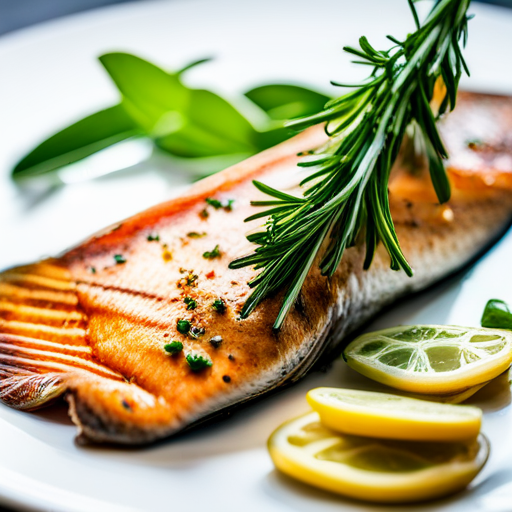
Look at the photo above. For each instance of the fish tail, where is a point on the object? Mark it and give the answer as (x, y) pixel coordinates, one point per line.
(42, 335)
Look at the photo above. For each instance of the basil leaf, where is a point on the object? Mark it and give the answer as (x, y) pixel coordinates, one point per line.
(211, 127)
(201, 129)
(185, 122)
(287, 101)
(273, 136)
(149, 92)
(496, 315)
(81, 139)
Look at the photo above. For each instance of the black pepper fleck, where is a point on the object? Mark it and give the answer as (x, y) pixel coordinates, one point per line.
(226, 379)
(126, 405)
(196, 332)
(216, 341)
(231, 357)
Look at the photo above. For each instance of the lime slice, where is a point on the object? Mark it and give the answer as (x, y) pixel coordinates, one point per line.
(431, 359)
(372, 469)
(450, 398)
(366, 413)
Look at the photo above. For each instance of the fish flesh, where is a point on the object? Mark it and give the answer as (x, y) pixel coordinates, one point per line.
(92, 323)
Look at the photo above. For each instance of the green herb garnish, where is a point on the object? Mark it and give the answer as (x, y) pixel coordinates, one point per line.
(496, 315)
(214, 202)
(92, 270)
(210, 255)
(204, 213)
(153, 237)
(227, 205)
(198, 362)
(195, 124)
(119, 259)
(219, 305)
(190, 302)
(193, 234)
(191, 279)
(174, 347)
(346, 192)
(183, 326)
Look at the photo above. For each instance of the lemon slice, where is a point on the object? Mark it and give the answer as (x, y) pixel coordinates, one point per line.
(366, 413)
(431, 359)
(372, 469)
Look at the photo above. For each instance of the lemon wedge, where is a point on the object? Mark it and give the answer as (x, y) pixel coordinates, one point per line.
(372, 469)
(431, 359)
(366, 413)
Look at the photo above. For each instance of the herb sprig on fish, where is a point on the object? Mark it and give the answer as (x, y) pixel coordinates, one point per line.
(346, 191)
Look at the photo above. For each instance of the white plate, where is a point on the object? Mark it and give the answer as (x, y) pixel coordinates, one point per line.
(49, 78)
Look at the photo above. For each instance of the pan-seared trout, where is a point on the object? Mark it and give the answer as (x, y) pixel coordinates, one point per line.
(139, 327)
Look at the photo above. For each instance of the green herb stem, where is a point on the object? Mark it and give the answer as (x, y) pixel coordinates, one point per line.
(346, 192)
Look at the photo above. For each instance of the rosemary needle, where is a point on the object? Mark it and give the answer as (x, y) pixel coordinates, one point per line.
(347, 190)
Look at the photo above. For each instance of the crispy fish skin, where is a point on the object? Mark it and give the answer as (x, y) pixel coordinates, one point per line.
(93, 328)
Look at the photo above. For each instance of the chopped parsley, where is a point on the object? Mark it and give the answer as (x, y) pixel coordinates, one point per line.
(183, 326)
(175, 347)
(191, 279)
(153, 237)
(197, 362)
(216, 341)
(204, 213)
(190, 302)
(214, 202)
(227, 205)
(119, 259)
(196, 332)
(210, 255)
(219, 305)
(93, 270)
(193, 234)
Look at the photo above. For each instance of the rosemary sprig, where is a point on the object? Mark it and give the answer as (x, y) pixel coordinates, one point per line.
(347, 189)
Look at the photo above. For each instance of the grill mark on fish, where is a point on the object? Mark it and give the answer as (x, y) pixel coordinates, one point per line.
(37, 280)
(19, 293)
(129, 291)
(99, 339)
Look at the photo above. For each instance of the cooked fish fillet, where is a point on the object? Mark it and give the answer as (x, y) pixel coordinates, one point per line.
(92, 323)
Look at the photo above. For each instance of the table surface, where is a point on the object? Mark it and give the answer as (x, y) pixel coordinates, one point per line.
(17, 14)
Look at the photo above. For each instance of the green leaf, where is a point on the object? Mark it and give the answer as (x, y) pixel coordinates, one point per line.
(276, 193)
(190, 123)
(496, 315)
(287, 101)
(149, 91)
(211, 127)
(81, 139)
(201, 129)
(273, 136)
(437, 173)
